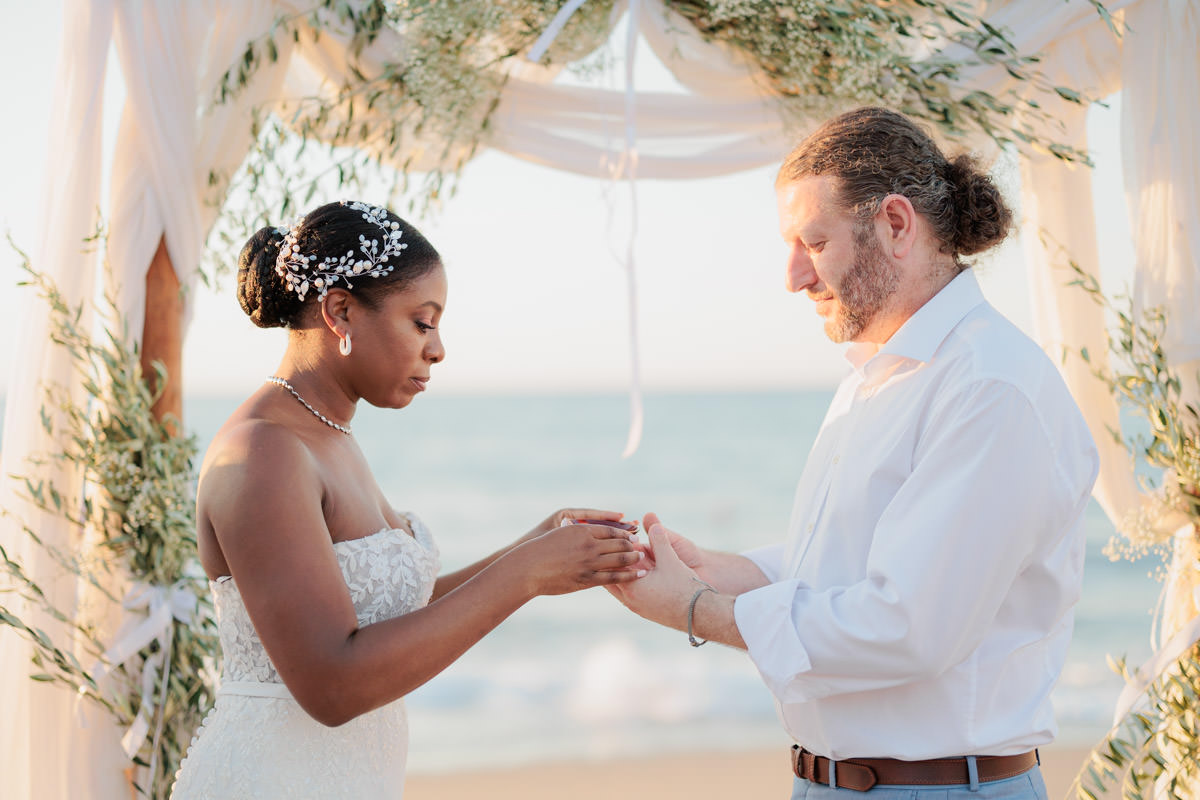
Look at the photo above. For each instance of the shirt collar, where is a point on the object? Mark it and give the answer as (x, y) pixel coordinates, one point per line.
(922, 333)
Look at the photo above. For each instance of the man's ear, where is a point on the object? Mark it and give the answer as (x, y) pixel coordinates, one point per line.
(335, 311)
(899, 220)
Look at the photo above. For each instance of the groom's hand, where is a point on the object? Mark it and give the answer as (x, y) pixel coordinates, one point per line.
(685, 548)
(695, 558)
(663, 594)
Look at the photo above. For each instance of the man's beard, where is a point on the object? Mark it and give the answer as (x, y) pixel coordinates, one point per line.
(864, 290)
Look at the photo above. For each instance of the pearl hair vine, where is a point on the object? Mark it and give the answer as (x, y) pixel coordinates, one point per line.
(301, 272)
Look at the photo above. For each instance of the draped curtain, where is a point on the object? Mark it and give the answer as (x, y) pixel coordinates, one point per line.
(172, 137)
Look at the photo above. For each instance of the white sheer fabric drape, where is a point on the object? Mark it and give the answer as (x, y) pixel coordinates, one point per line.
(1156, 67)
(1059, 224)
(1160, 152)
(728, 122)
(1160, 73)
(172, 136)
(42, 752)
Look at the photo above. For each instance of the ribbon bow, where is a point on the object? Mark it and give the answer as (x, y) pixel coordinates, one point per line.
(162, 605)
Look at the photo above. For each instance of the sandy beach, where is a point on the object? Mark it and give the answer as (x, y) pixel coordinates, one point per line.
(695, 776)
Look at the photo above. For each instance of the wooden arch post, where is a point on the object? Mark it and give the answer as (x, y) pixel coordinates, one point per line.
(162, 333)
(162, 341)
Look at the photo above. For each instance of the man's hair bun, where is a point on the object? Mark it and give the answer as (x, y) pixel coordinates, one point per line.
(983, 218)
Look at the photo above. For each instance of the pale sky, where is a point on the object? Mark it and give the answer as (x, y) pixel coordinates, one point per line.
(537, 294)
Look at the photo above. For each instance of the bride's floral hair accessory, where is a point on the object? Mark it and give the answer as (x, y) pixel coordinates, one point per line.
(302, 272)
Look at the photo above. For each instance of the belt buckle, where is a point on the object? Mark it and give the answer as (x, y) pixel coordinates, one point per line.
(809, 761)
(850, 774)
(804, 763)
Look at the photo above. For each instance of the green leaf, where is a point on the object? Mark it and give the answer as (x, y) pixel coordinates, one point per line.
(1068, 94)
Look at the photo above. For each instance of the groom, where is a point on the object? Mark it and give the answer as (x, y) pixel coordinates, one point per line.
(915, 619)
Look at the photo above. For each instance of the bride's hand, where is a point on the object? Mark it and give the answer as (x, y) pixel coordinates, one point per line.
(577, 556)
(566, 516)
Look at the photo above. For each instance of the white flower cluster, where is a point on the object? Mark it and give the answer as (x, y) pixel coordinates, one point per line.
(142, 508)
(116, 470)
(1152, 524)
(302, 272)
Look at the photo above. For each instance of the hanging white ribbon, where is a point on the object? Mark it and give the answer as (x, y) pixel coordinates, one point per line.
(162, 605)
(636, 411)
(1133, 696)
(627, 167)
(552, 30)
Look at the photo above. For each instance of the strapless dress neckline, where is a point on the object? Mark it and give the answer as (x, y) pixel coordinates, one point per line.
(420, 534)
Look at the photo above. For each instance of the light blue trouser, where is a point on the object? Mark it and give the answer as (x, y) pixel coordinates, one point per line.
(1026, 786)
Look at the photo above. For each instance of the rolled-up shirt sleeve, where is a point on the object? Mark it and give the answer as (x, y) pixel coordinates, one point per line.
(764, 618)
(769, 559)
(988, 493)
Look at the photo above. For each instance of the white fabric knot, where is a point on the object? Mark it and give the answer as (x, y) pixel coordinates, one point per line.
(162, 606)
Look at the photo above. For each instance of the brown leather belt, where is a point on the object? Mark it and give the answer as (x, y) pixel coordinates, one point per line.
(860, 774)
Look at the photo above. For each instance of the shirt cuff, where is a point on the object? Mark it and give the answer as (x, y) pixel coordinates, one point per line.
(769, 559)
(764, 619)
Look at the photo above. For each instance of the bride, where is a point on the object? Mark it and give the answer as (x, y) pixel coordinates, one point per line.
(328, 602)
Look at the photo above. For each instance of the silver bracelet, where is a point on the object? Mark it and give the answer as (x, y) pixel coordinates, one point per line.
(692, 640)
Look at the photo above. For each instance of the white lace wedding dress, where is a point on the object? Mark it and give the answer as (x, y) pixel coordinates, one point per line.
(257, 743)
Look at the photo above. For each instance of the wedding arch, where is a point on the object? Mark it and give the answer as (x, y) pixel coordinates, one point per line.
(212, 90)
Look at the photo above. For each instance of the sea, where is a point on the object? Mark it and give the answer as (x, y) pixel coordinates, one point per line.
(580, 677)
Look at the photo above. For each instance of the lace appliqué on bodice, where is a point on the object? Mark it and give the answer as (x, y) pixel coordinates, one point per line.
(262, 745)
(388, 574)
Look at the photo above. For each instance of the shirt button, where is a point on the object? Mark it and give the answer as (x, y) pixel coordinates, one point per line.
(810, 527)
(836, 459)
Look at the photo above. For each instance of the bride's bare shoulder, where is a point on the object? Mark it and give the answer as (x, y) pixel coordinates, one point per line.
(260, 486)
(256, 453)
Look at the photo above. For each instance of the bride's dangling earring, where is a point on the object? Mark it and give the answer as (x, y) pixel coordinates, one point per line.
(344, 345)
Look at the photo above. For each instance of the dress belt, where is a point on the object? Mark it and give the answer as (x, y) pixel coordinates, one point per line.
(860, 774)
(255, 689)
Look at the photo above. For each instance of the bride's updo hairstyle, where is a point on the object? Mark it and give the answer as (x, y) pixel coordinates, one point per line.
(875, 152)
(331, 232)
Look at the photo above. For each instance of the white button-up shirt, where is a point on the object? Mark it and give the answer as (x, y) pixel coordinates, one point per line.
(922, 604)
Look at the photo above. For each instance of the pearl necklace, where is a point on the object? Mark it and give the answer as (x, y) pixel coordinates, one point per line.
(281, 382)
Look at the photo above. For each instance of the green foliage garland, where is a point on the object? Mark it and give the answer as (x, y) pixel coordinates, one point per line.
(1155, 750)
(818, 53)
(446, 80)
(141, 510)
(441, 87)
